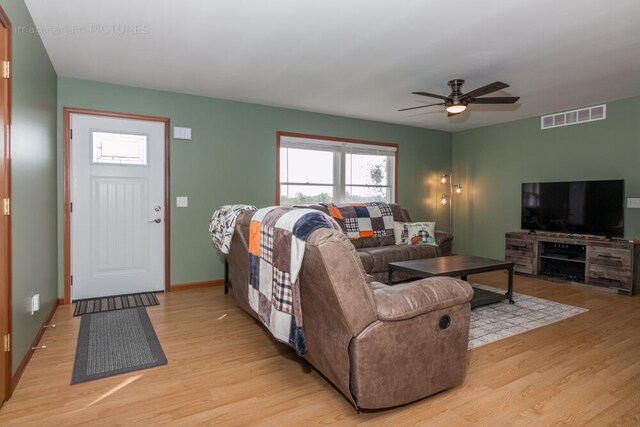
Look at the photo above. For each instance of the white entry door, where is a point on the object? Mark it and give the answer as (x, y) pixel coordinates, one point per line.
(118, 211)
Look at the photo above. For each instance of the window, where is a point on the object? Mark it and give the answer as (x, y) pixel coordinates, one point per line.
(319, 169)
(119, 148)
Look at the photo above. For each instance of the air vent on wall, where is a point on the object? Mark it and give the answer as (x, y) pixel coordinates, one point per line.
(574, 117)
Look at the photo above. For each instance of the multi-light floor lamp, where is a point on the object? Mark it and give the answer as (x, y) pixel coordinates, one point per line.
(446, 199)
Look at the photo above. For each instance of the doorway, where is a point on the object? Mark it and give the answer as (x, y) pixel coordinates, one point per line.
(116, 182)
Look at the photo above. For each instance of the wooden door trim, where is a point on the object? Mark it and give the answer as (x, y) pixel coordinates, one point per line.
(66, 123)
(6, 306)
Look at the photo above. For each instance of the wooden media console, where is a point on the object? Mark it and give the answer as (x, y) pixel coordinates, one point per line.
(593, 261)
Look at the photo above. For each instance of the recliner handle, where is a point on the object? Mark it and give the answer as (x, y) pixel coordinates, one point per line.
(445, 322)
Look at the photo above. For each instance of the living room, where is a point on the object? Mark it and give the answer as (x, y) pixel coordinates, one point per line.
(231, 158)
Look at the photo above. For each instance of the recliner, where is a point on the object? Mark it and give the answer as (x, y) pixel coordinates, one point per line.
(381, 346)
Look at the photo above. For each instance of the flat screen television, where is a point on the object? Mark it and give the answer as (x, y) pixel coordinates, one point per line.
(580, 207)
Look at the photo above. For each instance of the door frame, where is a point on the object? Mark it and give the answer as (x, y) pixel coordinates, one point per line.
(6, 308)
(67, 111)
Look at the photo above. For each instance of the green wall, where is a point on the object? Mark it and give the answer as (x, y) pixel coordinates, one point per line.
(33, 136)
(492, 162)
(231, 159)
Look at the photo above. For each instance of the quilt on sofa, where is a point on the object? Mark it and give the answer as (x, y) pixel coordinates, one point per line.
(277, 239)
(359, 220)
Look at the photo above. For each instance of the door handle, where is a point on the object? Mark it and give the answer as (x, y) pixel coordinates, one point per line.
(157, 220)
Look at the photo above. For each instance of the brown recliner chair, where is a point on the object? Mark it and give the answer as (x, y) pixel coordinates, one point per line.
(381, 346)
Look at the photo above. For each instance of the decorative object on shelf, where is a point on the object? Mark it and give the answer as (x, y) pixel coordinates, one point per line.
(446, 199)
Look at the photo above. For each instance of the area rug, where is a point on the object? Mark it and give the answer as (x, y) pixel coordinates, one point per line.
(118, 302)
(115, 342)
(502, 320)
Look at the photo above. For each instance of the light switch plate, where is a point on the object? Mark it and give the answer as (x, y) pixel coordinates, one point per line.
(633, 202)
(181, 133)
(182, 202)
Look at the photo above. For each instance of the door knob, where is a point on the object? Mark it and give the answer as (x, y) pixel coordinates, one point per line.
(157, 220)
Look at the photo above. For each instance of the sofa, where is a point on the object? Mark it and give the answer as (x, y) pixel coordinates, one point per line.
(377, 252)
(381, 346)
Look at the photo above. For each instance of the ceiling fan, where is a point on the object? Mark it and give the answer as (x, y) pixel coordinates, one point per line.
(457, 101)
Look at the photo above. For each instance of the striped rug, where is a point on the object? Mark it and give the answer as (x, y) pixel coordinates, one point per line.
(118, 302)
(115, 342)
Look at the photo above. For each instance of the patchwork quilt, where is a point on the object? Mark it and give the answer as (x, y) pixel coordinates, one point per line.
(277, 240)
(358, 220)
(223, 223)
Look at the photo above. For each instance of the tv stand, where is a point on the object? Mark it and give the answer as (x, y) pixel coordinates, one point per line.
(604, 262)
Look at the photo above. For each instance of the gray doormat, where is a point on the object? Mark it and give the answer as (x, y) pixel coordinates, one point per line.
(502, 320)
(117, 302)
(115, 342)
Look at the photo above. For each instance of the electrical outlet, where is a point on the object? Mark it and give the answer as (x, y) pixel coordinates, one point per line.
(35, 303)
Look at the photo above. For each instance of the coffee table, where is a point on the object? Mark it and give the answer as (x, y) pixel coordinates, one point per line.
(459, 266)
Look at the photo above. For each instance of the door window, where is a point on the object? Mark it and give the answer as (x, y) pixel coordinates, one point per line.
(119, 148)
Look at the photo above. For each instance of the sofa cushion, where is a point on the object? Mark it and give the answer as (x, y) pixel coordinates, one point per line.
(376, 260)
(367, 259)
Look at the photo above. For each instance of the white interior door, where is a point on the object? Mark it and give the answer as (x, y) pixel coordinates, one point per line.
(117, 217)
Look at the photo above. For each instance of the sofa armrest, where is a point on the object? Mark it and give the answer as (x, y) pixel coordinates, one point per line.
(444, 241)
(407, 300)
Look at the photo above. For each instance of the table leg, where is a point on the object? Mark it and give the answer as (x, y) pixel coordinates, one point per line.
(226, 277)
(390, 273)
(509, 293)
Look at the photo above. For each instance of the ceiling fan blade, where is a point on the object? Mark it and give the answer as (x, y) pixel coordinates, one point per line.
(495, 86)
(496, 100)
(431, 95)
(421, 106)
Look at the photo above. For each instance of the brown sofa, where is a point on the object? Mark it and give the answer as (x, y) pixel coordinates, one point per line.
(377, 252)
(381, 346)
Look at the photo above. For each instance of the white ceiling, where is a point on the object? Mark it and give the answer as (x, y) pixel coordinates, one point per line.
(355, 58)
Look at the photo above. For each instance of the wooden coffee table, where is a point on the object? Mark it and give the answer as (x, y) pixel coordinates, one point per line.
(459, 266)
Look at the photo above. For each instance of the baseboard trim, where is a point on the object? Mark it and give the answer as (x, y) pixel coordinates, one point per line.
(196, 285)
(27, 357)
(61, 301)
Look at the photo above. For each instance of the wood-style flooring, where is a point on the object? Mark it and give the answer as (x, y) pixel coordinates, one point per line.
(224, 369)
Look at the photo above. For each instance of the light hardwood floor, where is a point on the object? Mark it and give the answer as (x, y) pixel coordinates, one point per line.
(225, 370)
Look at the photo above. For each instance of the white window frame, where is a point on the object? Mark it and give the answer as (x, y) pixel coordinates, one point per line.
(340, 148)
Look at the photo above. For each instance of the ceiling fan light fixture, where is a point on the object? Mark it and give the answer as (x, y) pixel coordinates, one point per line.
(456, 108)
(457, 101)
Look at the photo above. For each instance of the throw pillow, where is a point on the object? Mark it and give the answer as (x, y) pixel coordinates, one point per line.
(414, 233)
(401, 232)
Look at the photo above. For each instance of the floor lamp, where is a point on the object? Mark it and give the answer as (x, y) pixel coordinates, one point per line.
(446, 199)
